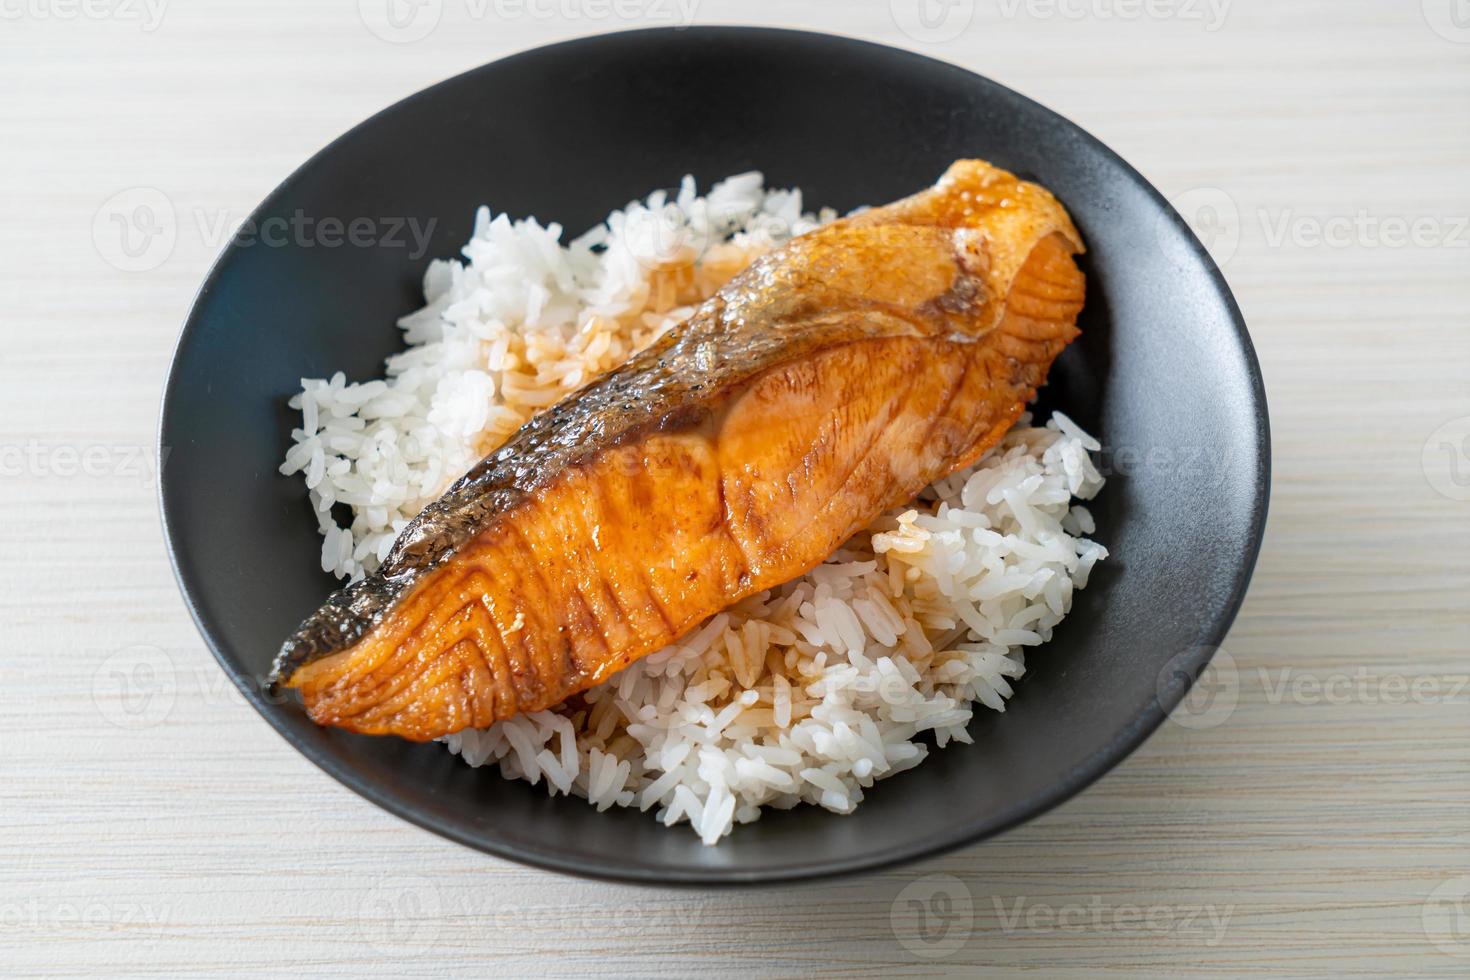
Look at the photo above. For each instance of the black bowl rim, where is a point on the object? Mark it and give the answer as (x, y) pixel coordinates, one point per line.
(1093, 768)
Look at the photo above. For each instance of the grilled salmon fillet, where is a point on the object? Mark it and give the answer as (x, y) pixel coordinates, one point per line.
(831, 380)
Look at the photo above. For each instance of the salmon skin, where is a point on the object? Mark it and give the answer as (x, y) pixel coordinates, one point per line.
(833, 379)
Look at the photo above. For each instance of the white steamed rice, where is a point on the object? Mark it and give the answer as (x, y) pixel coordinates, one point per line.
(807, 693)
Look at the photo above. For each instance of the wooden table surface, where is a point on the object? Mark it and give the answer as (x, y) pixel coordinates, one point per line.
(1316, 820)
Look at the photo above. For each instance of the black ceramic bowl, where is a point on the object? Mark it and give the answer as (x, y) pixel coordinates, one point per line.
(1164, 374)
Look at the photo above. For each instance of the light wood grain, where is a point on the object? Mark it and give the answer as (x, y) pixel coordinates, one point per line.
(1314, 827)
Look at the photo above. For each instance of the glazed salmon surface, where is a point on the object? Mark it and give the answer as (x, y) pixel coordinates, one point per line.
(830, 381)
